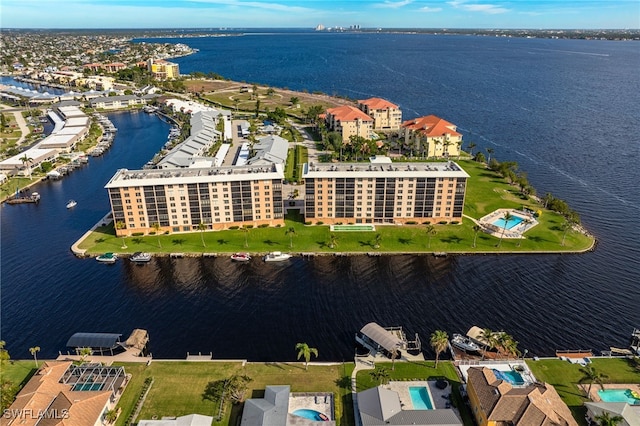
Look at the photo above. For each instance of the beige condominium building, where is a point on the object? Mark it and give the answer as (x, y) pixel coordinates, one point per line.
(178, 200)
(386, 115)
(384, 192)
(349, 121)
(437, 137)
(163, 70)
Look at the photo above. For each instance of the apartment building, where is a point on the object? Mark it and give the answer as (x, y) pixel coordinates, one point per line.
(386, 115)
(163, 70)
(433, 136)
(349, 121)
(384, 192)
(178, 200)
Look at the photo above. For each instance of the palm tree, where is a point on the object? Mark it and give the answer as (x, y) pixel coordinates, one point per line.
(85, 353)
(476, 229)
(121, 225)
(431, 231)
(605, 419)
(111, 415)
(380, 374)
(305, 351)
(294, 101)
(566, 226)
(439, 341)
(291, 232)
(377, 242)
(394, 355)
(201, 227)
(471, 146)
(489, 340)
(592, 376)
(506, 217)
(333, 240)
(489, 151)
(34, 350)
(26, 160)
(156, 227)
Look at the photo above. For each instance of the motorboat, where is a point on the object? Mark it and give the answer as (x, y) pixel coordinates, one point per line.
(71, 204)
(464, 343)
(140, 257)
(276, 256)
(107, 258)
(240, 257)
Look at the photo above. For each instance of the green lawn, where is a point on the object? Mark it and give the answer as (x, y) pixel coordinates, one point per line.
(178, 386)
(19, 372)
(565, 376)
(424, 371)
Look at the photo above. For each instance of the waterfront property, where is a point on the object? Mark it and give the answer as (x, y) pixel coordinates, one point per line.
(163, 70)
(67, 394)
(349, 121)
(495, 401)
(440, 137)
(392, 193)
(179, 200)
(386, 115)
(280, 407)
(389, 342)
(188, 420)
(403, 403)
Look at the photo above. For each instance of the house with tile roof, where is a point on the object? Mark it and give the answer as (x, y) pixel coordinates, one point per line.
(496, 402)
(52, 396)
(433, 136)
(349, 121)
(386, 115)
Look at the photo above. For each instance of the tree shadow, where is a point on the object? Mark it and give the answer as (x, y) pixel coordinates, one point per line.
(405, 241)
(99, 240)
(274, 364)
(271, 243)
(343, 382)
(178, 241)
(136, 240)
(366, 243)
(222, 241)
(453, 239)
(537, 239)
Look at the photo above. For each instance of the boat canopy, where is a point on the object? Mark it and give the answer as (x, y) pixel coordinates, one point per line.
(476, 333)
(94, 340)
(382, 337)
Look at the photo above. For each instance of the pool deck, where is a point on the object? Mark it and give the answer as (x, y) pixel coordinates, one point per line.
(516, 232)
(321, 402)
(595, 388)
(526, 373)
(439, 397)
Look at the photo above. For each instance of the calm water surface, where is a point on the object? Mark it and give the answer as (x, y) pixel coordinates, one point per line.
(565, 110)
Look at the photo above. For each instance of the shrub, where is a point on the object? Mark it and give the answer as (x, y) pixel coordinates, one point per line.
(454, 222)
(411, 222)
(443, 222)
(263, 225)
(319, 222)
(152, 233)
(308, 222)
(234, 227)
(137, 234)
(248, 226)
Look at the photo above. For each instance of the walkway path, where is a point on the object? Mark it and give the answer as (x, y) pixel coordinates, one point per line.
(361, 363)
(22, 124)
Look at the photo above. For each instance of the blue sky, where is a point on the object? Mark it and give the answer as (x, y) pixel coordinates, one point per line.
(585, 14)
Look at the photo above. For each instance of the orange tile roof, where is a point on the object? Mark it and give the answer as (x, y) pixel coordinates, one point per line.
(44, 391)
(348, 113)
(431, 126)
(377, 103)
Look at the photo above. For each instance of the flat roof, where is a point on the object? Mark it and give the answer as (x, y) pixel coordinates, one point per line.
(398, 170)
(383, 337)
(94, 340)
(128, 178)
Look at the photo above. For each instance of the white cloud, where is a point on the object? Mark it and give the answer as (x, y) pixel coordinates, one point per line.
(491, 9)
(257, 5)
(393, 4)
(431, 9)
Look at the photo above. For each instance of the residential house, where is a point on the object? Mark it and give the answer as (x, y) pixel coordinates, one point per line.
(349, 121)
(432, 135)
(496, 402)
(386, 115)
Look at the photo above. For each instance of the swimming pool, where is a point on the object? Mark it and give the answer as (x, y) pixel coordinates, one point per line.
(512, 377)
(618, 395)
(510, 223)
(420, 398)
(87, 387)
(310, 414)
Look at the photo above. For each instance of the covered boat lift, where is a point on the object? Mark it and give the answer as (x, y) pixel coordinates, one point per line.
(99, 343)
(386, 340)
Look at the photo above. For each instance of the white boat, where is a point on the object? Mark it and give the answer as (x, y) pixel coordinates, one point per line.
(241, 257)
(276, 256)
(71, 204)
(107, 258)
(464, 343)
(140, 257)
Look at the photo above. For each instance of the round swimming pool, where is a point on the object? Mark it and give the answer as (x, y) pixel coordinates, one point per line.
(310, 414)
